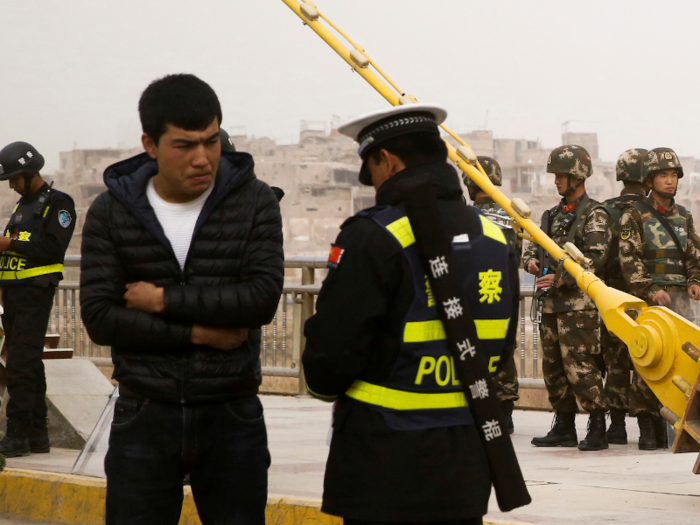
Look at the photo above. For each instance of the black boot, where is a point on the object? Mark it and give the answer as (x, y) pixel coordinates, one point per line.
(38, 437)
(595, 439)
(661, 432)
(507, 407)
(15, 442)
(617, 433)
(562, 434)
(647, 433)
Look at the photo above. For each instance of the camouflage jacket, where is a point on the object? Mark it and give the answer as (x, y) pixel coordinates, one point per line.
(615, 207)
(592, 237)
(649, 258)
(487, 205)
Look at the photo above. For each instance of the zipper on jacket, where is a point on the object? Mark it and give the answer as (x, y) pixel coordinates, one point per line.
(184, 361)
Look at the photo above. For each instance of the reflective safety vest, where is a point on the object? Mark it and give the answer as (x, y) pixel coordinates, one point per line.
(24, 225)
(662, 259)
(423, 390)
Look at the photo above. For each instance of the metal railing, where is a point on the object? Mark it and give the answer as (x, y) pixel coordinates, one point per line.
(283, 339)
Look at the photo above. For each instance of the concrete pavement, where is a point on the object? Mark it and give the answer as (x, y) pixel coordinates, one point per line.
(621, 485)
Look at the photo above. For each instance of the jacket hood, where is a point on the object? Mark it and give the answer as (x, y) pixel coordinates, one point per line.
(442, 176)
(127, 181)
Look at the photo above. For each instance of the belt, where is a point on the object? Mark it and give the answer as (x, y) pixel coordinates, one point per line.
(666, 269)
(402, 400)
(11, 275)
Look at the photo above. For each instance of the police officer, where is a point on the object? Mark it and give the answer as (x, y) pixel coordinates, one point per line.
(570, 322)
(617, 358)
(506, 380)
(660, 262)
(31, 264)
(376, 344)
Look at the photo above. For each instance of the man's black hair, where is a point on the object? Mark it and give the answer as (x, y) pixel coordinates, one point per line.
(414, 149)
(180, 100)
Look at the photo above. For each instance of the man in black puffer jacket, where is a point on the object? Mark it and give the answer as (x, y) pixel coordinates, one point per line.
(182, 264)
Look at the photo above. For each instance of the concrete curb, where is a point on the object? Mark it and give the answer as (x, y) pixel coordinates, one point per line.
(80, 500)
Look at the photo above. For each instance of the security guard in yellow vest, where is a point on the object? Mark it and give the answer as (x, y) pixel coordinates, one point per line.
(404, 446)
(31, 265)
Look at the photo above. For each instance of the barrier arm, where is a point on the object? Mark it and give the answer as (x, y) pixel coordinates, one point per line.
(663, 345)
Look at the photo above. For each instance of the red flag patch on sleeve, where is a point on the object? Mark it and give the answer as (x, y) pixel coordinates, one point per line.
(335, 256)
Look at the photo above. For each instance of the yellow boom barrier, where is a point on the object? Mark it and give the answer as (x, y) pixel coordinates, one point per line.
(663, 345)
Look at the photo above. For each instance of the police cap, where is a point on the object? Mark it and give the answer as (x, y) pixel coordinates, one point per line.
(371, 130)
(19, 158)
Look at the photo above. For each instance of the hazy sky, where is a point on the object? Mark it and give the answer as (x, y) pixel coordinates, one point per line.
(71, 72)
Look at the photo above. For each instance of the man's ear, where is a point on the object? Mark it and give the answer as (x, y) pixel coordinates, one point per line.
(149, 145)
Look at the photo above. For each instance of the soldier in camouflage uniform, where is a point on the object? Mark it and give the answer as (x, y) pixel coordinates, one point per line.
(570, 323)
(615, 353)
(658, 268)
(507, 379)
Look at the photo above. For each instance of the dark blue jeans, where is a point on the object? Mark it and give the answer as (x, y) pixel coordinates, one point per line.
(153, 445)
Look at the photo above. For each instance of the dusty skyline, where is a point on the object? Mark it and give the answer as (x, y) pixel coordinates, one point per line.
(71, 72)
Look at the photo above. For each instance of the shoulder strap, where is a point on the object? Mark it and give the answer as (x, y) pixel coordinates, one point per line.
(41, 202)
(542, 254)
(580, 216)
(434, 246)
(664, 221)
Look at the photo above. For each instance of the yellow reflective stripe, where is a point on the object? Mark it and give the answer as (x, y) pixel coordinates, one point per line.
(402, 400)
(491, 328)
(32, 272)
(401, 229)
(46, 210)
(420, 332)
(424, 331)
(16, 206)
(492, 230)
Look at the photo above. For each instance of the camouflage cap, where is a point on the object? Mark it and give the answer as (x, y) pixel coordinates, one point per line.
(570, 159)
(660, 159)
(492, 169)
(629, 165)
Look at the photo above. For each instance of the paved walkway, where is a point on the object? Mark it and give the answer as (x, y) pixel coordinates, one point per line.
(621, 485)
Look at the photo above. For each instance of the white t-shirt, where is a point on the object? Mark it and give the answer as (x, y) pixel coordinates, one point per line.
(177, 219)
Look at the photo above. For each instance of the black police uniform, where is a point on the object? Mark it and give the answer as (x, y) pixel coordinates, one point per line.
(41, 227)
(393, 458)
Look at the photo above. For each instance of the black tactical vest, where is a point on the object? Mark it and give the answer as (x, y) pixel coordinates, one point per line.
(26, 221)
(422, 390)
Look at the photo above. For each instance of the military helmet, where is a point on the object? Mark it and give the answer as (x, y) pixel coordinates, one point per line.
(570, 159)
(19, 158)
(226, 142)
(629, 165)
(660, 159)
(492, 170)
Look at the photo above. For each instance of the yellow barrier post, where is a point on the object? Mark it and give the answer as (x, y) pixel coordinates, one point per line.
(659, 339)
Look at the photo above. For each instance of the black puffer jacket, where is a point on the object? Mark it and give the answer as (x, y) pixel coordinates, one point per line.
(232, 278)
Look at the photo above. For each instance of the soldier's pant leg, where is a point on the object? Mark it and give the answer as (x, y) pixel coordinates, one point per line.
(507, 382)
(579, 338)
(561, 395)
(28, 309)
(642, 398)
(618, 364)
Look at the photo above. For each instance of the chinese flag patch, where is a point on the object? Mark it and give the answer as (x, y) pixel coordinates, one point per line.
(335, 256)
